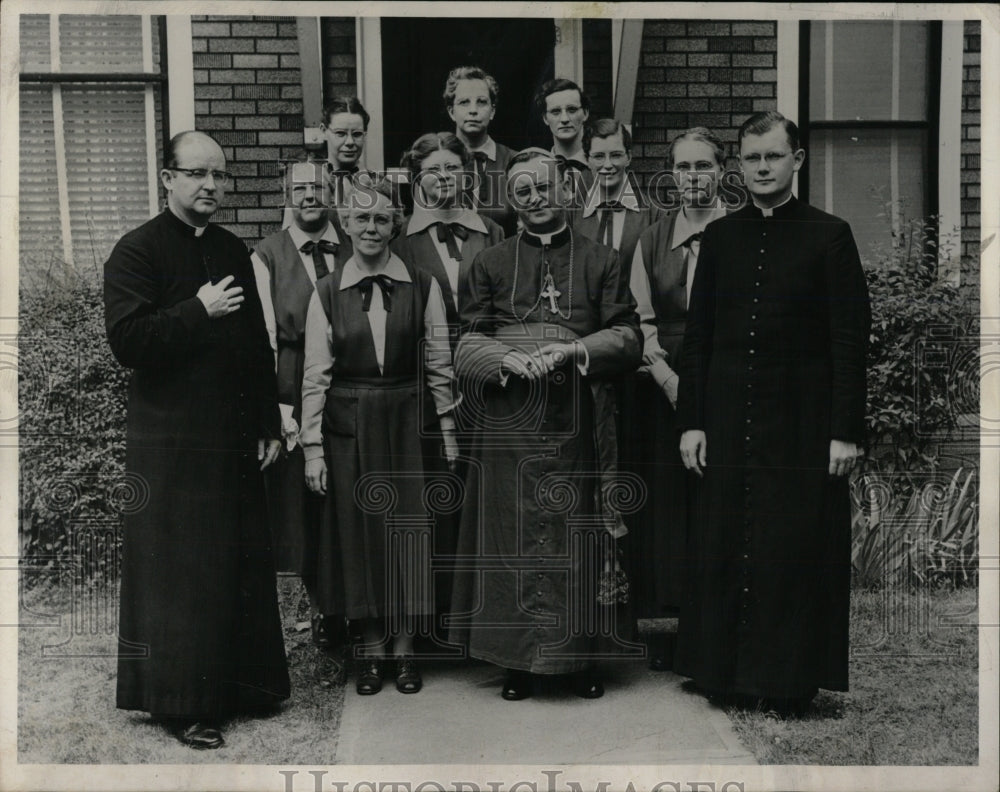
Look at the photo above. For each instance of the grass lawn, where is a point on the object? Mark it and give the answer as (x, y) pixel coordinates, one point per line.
(66, 704)
(914, 697)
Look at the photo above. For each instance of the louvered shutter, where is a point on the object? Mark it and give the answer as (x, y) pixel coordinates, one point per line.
(39, 231)
(106, 167)
(108, 130)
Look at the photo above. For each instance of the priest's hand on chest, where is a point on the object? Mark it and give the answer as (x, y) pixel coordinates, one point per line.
(219, 298)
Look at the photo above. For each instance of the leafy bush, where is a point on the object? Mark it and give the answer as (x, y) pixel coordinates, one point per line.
(72, 429)
(923, 373)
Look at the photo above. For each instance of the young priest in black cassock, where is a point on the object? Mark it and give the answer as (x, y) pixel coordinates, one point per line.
(772, 408)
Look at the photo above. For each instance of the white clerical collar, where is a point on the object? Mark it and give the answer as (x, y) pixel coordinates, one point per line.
(684, 226)
(489, 148)
(300, 237)
(546, 239)
(423, 218)
(626, 196)
(198, 230)
(767, 211)
(353, 273)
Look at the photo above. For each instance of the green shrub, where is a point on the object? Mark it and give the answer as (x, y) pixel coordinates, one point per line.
(72, 429)
(923, 366)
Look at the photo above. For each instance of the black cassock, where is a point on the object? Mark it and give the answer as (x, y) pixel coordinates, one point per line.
(772, 369)
(199, 630)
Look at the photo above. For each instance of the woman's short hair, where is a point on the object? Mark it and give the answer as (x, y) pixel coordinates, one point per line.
(557, 85)
(345, 104)
(702, 135)
(425, 145)
(762, 123)
(468, 73)
(605, 128)
(362, 191)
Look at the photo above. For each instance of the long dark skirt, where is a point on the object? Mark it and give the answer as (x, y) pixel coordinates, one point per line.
(376, 535)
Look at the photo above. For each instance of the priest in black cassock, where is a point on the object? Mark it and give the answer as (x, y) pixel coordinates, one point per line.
(547, 313)
(771, 404)
(199, 629)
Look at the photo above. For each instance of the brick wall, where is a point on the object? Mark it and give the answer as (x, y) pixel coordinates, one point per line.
(248, 96)
(340, 72)
(971, 93)
(713, 74)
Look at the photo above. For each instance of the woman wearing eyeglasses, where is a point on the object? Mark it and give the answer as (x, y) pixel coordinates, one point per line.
(345, 124)
(442, 237)
(376, 378)
(663, 267)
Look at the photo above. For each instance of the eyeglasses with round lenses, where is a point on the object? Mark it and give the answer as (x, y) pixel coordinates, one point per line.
(448, 169)
(771, 158)
(200, 175)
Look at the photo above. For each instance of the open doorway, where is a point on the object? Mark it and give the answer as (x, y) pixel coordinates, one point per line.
(418, 53)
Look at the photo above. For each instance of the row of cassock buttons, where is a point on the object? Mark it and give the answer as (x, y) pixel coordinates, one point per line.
(747, 450)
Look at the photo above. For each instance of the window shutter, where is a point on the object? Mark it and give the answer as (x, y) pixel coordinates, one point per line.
(78, 201)
(39, 231)
(100, 43)
(35, 55)
(106, 167)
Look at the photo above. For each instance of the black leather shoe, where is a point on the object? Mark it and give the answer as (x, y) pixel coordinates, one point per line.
(408, 678)
(200, 736)
(516, 686)
(587, 684)
(370, 677)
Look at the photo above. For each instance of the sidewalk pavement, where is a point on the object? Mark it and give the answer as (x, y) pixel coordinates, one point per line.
(644, 717)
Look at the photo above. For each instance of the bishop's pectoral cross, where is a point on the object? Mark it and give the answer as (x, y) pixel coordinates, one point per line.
(551, 293)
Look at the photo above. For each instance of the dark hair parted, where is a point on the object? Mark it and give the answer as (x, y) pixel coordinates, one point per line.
(702, 135)
(345, 104)
(468, 73)
(172, 145)
(425, 145)
(605, 128)
(762, 123)
(557, 85)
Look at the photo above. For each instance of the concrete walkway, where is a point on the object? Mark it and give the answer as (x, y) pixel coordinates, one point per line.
(459, 718)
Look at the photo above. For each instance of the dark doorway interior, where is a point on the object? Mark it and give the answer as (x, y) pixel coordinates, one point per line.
(418, 53)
